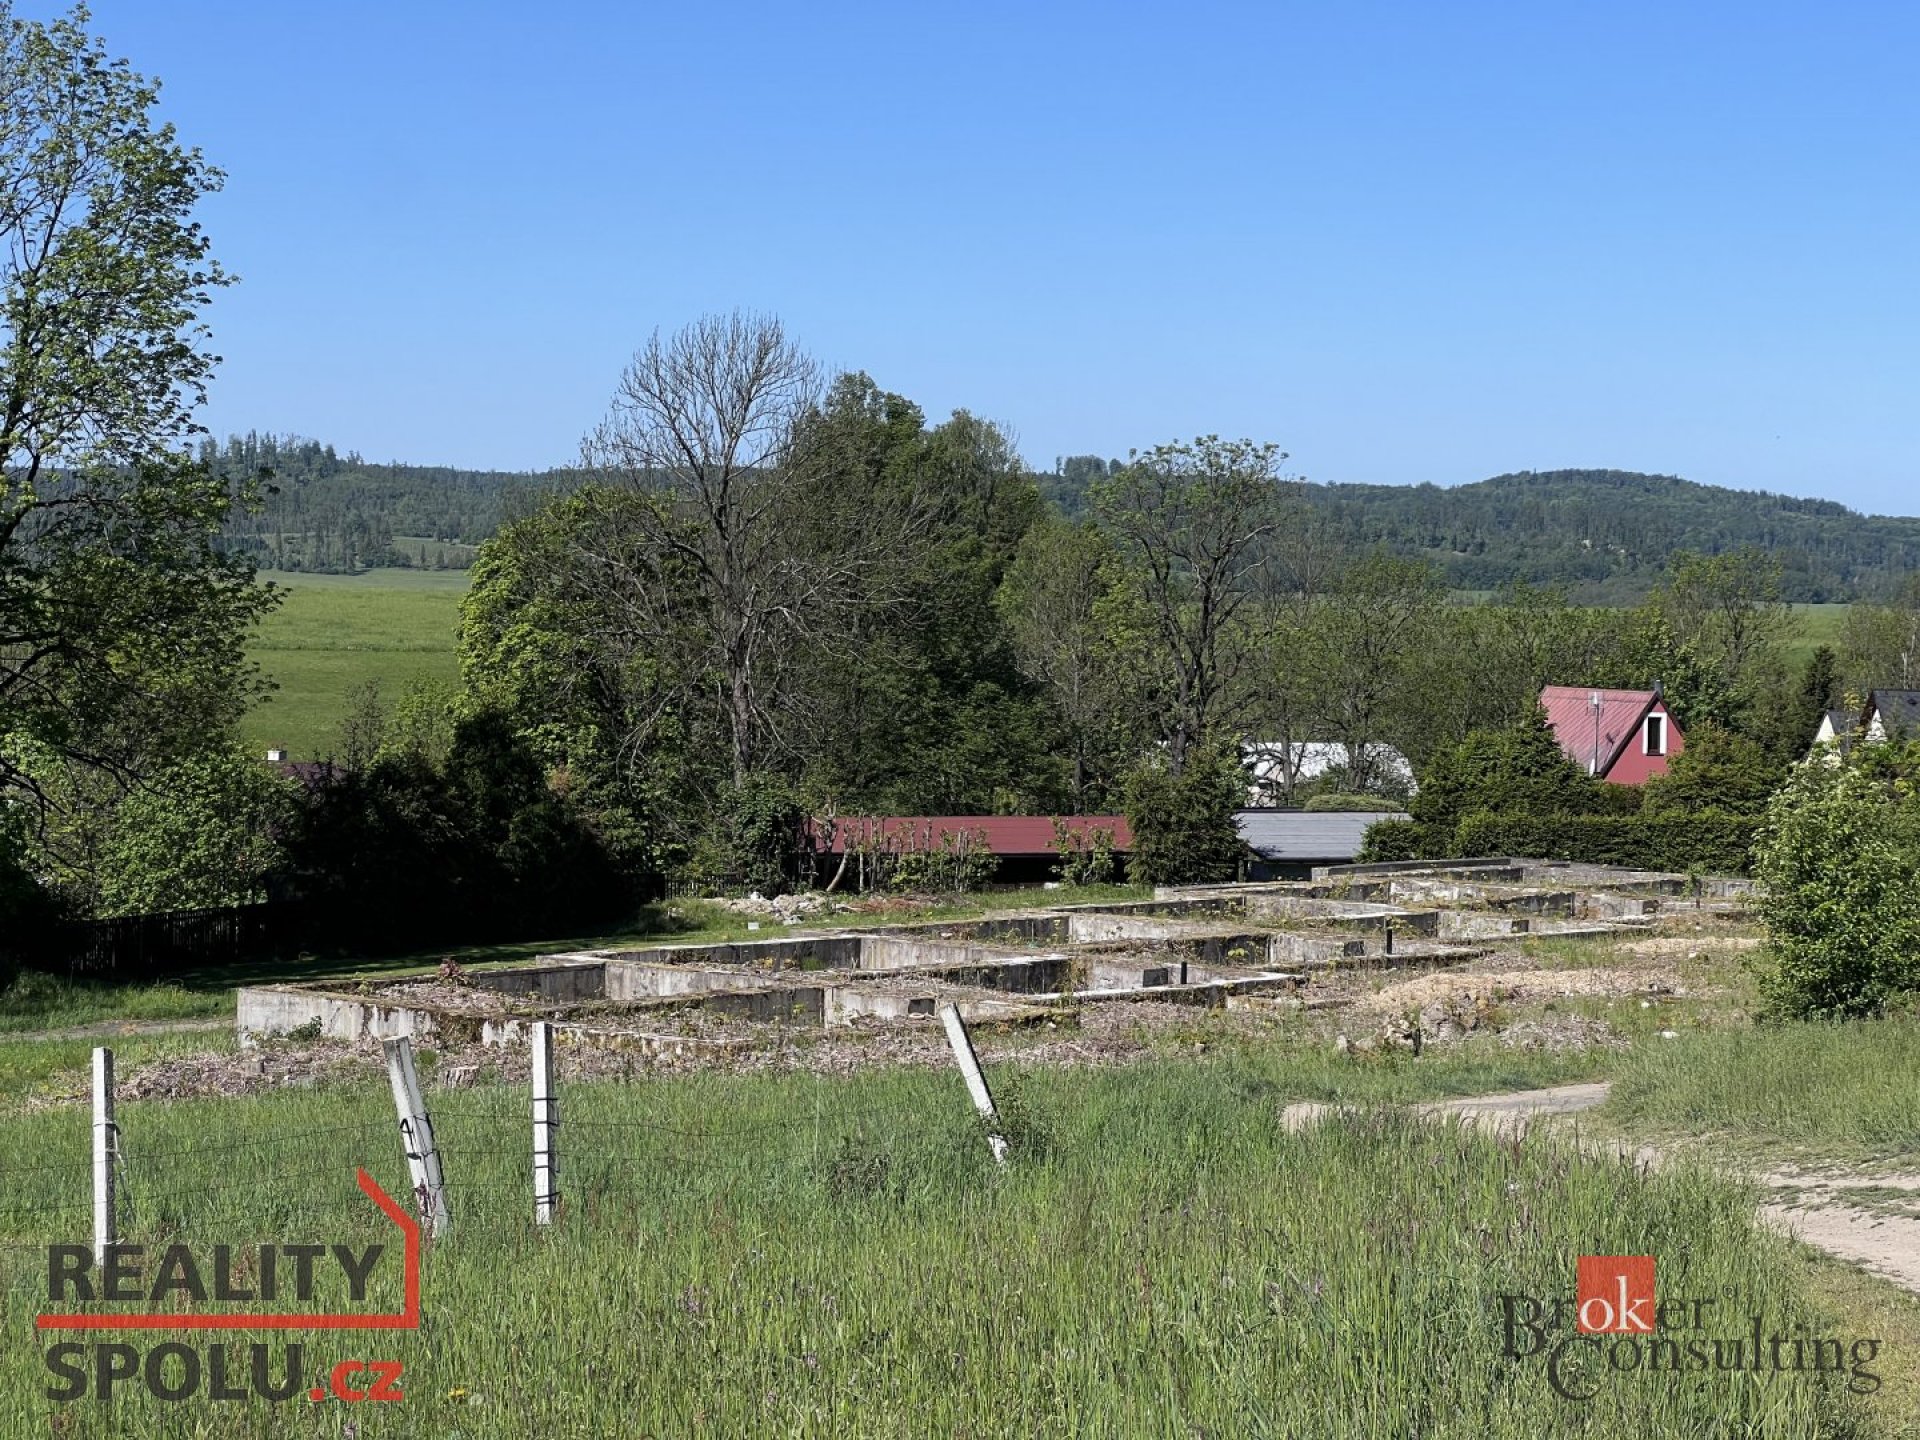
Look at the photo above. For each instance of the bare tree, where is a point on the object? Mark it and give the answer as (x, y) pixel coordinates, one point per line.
(758, 536)
(707, 421)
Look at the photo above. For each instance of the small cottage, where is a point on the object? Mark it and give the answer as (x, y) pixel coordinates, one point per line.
(1625, 737)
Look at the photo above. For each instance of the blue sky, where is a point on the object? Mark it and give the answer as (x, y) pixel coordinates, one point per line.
(1407, 242)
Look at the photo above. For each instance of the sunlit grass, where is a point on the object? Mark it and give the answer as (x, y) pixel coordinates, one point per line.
(1808, 1090)
(839, 1257)
(333, 633)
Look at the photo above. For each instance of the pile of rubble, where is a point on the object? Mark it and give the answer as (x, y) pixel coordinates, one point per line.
(788, 909)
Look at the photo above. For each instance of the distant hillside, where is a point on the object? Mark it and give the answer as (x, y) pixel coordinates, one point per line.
(1609, 532)
(1606, 534)
(338, 514)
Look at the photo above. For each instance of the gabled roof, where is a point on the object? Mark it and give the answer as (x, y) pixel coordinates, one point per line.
(1003, 834)
(1301, 835)
(1899, 712)
(1570, 711)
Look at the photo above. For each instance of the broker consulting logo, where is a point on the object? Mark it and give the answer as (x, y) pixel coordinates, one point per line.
(1616, 1328)
(157, 1283)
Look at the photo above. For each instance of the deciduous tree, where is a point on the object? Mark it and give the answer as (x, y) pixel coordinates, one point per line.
(121, 624)
(1194, 522)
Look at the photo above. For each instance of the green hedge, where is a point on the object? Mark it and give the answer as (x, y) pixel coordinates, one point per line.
(1387, 840)
(1709, 841)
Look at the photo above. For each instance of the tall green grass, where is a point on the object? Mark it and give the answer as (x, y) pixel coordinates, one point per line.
(1807, 1089)
(744, 1256)
(36, 1001)
(335, 632)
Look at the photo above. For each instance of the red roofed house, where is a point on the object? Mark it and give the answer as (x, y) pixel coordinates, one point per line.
(1625, 736)
(1022, 844)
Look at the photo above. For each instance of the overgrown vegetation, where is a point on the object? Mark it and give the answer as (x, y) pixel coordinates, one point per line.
(1805, 1089)
(1515, 792)
(1182, 821)
(1836, 863)
(703, 1265)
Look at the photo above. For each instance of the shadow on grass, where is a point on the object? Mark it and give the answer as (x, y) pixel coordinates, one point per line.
(48, 1002)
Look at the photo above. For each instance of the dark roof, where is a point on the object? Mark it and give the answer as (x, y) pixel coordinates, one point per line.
(1004, 834)
(307, 772)
(1570, 711)
(1899, 712)
(1300, 835)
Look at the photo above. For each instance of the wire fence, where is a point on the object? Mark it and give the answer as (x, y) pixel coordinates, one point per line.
(512, 1157)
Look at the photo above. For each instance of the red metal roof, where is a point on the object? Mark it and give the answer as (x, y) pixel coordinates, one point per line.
(1571, 713)
(1004, 834)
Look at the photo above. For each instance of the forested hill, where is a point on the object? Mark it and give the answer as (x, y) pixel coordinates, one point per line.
(1606, 534)
(1609, 532)
(325, 511)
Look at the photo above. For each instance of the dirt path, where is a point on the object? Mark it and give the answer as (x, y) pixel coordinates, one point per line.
(1812, 1205)
(119, 1027)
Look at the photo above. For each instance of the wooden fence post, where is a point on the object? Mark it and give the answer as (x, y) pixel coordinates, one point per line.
(416, 1137)
(546, 1121)
(106, 1150)
(969, 1064)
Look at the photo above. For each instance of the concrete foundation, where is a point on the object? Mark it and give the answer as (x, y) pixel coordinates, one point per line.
(1194, 945)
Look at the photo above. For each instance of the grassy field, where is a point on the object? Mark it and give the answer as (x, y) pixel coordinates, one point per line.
(1855, 1091)
(798, 1255)
(1818, 625)
(811, 1252)
(334, 632)
(337, 631)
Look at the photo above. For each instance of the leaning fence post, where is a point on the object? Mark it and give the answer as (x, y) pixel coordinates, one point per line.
(546, 1120)
(969, 1064)
(106, 1148)
(416, 1137)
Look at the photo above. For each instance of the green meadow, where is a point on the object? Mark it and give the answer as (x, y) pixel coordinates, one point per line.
(334, 632)
(1817, 625)
(802, 1255)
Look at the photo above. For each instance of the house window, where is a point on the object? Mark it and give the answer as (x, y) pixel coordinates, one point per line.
(1656, 738)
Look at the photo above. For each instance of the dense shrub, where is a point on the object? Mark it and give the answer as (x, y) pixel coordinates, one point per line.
(405, 852)
(1718, 770)
(763, 823)
(28, 911)
(1389, 840)
(204, 832)
(1086, 854)
(957, 864)
(1711, 842)
(1183, 827)
(1518, 770)
(1332, 800)
(1837, 862)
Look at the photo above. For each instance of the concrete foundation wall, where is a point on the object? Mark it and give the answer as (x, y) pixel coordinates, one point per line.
(1293, 948)
(274, 1010)
(887, 951)
(812, 952)
(1416, 890)
(575, 981)
(1348, 915)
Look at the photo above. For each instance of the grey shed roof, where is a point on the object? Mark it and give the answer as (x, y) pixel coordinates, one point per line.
(1899, 712)
(1331, 836)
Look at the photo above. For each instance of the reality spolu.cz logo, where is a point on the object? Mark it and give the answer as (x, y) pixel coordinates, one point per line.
(162, 1278)
(1616, 1326)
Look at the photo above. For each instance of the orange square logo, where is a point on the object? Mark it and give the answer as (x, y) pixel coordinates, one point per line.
(1615, 1295)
